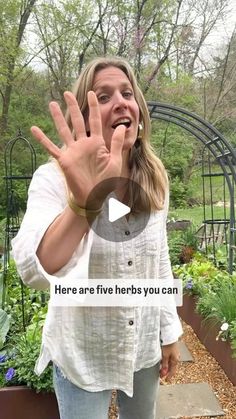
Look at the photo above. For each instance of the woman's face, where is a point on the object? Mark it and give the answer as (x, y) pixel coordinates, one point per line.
(117, 104)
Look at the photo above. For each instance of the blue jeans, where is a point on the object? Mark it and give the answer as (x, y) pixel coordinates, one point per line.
(76, 403)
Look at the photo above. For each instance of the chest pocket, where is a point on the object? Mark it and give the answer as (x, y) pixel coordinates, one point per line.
(152, 248)
(153, 233)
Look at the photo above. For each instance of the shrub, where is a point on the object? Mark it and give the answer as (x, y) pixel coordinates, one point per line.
(216, 290)
(18, 362)
(26, 308)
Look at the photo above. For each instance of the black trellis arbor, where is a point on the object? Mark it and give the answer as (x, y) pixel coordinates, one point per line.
(215, 149)
(16, 194)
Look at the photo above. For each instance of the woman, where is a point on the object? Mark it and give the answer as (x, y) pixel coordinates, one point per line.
(97, 349)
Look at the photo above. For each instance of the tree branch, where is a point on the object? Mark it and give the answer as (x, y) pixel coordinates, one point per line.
(223, 76)
(166, 54)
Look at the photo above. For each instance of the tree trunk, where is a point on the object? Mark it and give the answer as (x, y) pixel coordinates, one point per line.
(6, 104)
(7, 90)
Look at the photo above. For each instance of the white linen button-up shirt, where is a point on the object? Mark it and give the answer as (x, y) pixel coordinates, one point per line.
(97, 348)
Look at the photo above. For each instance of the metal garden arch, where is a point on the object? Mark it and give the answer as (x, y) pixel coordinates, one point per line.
(14, 203)
(215, 143)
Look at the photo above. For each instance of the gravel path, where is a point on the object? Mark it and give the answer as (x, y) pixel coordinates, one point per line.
(204, 369)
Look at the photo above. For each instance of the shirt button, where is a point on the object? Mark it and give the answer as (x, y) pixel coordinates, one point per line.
(127, 233)
(130, 263)
(131, 322)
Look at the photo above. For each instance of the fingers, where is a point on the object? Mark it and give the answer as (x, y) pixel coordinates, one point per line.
(117, 141)
(168, 367)
(75, 114)
(172, 369)
(46, 143)
(60, 123)
(164, 367)
(95, 122)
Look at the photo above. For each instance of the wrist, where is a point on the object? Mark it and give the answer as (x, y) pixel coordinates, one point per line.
(82, 210)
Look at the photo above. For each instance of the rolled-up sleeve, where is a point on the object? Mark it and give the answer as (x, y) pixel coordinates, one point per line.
(47, 198)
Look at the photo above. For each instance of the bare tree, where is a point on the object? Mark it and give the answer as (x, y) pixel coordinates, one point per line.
(66, 32)
(165, 55)
(225, 82)
(207, 15)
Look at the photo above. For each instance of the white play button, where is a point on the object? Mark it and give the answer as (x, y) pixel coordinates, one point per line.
(107, 224)
(116, 209)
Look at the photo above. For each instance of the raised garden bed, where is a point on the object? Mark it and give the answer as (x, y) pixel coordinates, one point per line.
(20, 402)
(207, 334)
(178, 225)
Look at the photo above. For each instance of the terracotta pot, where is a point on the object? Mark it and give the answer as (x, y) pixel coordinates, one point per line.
(207, 333)
(20, 402)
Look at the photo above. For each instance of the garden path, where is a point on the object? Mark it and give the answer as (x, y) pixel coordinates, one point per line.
(202, 368)
(188, 399)
(200, 389)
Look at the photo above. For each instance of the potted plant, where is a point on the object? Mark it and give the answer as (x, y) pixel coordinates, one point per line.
(23, 394)
(183, 244)
(210, 308)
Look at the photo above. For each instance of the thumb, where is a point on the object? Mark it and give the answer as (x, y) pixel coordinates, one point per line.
(117, 141)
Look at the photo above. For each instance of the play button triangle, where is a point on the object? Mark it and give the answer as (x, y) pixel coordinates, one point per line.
(116, 209)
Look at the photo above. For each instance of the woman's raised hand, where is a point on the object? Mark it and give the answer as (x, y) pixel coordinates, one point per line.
(86, 161)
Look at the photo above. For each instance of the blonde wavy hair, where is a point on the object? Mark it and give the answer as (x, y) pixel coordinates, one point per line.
(146, 169)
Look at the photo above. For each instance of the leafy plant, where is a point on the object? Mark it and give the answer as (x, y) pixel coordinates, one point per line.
(198, 275)
(178, 193)
(233, 337)
(176, 243)
(22, 340)
(4, 326)
(220, 304)
(216, 290)
(182, 245)
(22, 302)
(189, 237)
(18, 363)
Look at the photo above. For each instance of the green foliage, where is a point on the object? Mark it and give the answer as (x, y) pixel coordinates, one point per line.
(199, 275)
(219, 303)
(219, 307)
(176, 243)
(233, 337)
(178, 193)
(214, 184)
(18, 296)
(22, 358)
(189, 237)
(2, 232)
(4, 326)
(215, 290)
(168, 140)
(29, 106)
(179, 240)
(221, 256)
(23, 340)
(182, 91)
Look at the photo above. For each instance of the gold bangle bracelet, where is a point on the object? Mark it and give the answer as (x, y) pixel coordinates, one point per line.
(84, 212)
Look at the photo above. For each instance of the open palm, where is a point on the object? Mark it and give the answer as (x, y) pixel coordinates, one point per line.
(86, 161)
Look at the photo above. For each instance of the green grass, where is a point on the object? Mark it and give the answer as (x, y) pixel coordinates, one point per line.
(195, 214)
